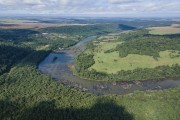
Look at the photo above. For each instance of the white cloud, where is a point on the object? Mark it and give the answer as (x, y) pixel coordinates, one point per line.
(32, 2)
(7, 2)
(106, 7)
(122, 1)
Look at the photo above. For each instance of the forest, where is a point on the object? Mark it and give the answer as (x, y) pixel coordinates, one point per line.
(16, 34)
(86, 30)
(150, 45)
(81, 62)
(11, 55)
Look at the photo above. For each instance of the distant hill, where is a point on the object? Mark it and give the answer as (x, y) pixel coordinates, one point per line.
(126, 27)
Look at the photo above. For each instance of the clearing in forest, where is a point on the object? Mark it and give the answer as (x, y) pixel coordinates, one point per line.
(112, 63)
(164, 30)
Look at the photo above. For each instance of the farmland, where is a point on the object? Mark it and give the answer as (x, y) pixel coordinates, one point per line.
(164, 30)
(112, 63)
(34, 25)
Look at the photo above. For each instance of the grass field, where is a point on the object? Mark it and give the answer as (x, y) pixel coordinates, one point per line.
(34, 25)
(112, 63)
(108, 46)
(20, 24)
(164, 30)
(16, 21)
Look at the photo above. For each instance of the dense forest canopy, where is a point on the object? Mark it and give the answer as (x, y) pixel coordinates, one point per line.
(85, 30)
(148, 45)
(126, 27)
(16, 34)
(10, 55)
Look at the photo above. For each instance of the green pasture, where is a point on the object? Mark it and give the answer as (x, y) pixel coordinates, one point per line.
(112, 63)
(157, 32)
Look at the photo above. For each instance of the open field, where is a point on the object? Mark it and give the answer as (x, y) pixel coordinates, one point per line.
(17, 21)
(164, 30)
(108, 46)
(112, 63)
(176, 20)
(26, 25)
(34, 25)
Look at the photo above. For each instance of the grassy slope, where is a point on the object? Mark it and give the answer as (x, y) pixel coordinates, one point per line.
(112, 63)
(36, 96)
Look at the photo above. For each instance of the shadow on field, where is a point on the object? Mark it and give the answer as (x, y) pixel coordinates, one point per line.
(102, 110)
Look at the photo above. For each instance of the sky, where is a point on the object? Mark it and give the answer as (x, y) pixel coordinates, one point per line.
(117, 8)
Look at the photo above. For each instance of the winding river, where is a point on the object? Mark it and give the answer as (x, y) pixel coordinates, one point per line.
(59, 70)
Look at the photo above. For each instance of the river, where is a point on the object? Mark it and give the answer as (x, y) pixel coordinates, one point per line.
(58, 69)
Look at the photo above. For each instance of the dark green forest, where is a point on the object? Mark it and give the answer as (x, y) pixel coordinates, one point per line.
(149, 45)
(82, 64)
(16, 34)
(11, 55)
(86, 30)
(126, 27)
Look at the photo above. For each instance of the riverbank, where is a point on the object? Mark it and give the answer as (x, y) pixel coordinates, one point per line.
(60, 71)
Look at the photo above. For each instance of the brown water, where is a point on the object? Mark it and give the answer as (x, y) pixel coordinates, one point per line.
(59, 70)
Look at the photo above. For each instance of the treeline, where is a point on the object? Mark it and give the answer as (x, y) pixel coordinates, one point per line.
(126, 27)
(86, 30)
(133, 34)
(83, 62)
(148, 73)
(16, 34)
(148, 45)
(51, 43)
(136, 74)
(130, 36)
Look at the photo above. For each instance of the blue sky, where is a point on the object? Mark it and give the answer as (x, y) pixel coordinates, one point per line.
(118, 8)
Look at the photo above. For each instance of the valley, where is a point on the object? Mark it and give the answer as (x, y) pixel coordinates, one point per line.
(39, 77)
